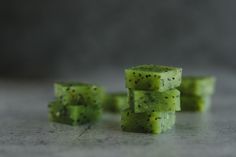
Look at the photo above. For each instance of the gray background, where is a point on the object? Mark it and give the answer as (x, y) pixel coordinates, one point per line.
(60, 38)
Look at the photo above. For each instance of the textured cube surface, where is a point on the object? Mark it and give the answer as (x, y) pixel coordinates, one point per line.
(153, 122)
(73, 114)
(79, 93)
(153, 77)
(148, 101)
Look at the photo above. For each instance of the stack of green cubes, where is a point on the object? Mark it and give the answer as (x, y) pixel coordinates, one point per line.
(152, 98)
(196, 93)
(76, 103)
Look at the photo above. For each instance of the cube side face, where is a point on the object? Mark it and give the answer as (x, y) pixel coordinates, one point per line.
(152, 77)
(170, 80)
(154, 122)
(153, 101)
(140, 122)
(73, 114)
(141, 80)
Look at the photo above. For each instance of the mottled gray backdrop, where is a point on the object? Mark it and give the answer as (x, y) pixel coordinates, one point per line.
(55, 38)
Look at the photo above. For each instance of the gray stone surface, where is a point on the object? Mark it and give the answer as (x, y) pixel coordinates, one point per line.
(26, 131)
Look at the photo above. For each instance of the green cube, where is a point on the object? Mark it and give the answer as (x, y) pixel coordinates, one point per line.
(79, 93)
(73, 114)
(153, 122)
(153, 77)
(154, 101)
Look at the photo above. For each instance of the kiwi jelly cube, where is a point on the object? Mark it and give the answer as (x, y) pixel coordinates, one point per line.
(154, 101)
(79, 93)
(197, 85)
(153, 122)
(83, 114)
(153, 77)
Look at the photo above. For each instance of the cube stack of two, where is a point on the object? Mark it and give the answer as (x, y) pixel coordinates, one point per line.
(152, 98)
(76, 103)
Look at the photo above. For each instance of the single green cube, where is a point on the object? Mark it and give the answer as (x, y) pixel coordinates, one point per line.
(197, 85)
(73, 114)
(154, 101)
(116, 102)
(195, 103)
(79, 93)
(153, 77)
(153, 122)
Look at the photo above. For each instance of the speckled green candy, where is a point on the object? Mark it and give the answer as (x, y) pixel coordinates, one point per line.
(73, 114)
(153, 77)
(198, 85)
(195, 103)
(79, 93)
(153, 122)
(116, 102)
(154, 101)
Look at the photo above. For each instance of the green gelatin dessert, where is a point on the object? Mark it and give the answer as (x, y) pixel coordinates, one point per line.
(153, 122)
(73, 114)
(116, 102)
(195, 103)
(198, 85)
(154, 101)
(79, 93)
(153, 77)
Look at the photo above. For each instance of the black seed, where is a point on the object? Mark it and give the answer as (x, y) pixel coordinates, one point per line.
(173, 97)
(127, 113)
(146, 76)
(153, 110)
(173, 78)
(134, 73)
(149, 75)
(67, 89)
(139, 106)
(166, 97)
(129, 80)
(140, 75)
(95, 88)
(135, 82)
(147, 120)
(156, 118)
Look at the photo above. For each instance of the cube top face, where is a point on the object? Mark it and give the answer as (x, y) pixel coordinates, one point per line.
(154, 68)
(197, 85)
(153, 77)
